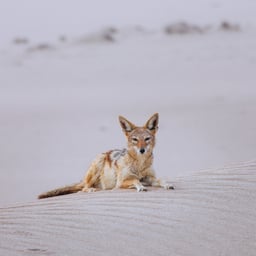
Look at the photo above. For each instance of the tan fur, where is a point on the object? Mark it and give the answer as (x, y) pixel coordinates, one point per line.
(127, 168)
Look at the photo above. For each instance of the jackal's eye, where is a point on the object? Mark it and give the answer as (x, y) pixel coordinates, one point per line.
(147, 139)
(134, 140)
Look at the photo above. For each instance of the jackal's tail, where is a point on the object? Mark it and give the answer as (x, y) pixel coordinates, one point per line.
(62, 191)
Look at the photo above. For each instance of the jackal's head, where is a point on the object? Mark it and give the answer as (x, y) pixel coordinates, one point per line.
(141, 140)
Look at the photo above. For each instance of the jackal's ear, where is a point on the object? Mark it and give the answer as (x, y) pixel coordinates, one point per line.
(152, 123)
(126, 125)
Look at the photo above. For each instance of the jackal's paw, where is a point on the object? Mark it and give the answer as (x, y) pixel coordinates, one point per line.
(168, 186)
(141, 188)
(89, 190)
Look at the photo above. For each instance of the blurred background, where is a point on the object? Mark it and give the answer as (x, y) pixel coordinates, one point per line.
(68, 69)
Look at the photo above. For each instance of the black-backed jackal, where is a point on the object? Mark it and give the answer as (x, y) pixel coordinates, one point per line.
(126, 168)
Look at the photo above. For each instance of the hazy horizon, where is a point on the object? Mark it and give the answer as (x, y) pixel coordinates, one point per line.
(46, 20)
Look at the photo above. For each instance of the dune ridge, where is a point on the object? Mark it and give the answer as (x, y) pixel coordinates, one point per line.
(209, 213)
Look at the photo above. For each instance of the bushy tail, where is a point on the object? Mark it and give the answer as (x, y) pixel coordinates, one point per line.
(62, 191)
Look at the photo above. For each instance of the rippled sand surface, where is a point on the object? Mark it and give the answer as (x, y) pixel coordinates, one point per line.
(209, 213)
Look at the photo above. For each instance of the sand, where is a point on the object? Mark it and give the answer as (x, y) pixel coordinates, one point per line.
(60, 105)
(209, 213)
(64, 79)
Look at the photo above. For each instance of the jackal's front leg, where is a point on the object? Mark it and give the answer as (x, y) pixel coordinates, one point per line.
(154, 182)
(133, 183)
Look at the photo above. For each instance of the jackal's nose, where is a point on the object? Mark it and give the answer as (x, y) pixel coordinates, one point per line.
(142, 150)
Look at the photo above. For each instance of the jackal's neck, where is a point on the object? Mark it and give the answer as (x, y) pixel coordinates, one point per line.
(140, 159)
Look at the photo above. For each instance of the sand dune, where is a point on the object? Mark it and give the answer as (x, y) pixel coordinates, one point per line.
(60, 103)
(65, 78)
(209, 213)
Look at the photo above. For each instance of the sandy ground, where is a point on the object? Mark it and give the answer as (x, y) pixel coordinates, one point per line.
(60, 103)
(65, 78)
(210, 213)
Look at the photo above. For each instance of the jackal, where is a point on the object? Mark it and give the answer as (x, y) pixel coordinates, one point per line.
(126, 168)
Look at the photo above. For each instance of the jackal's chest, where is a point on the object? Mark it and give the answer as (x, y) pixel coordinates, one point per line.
(119, 165)
(139, 169)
